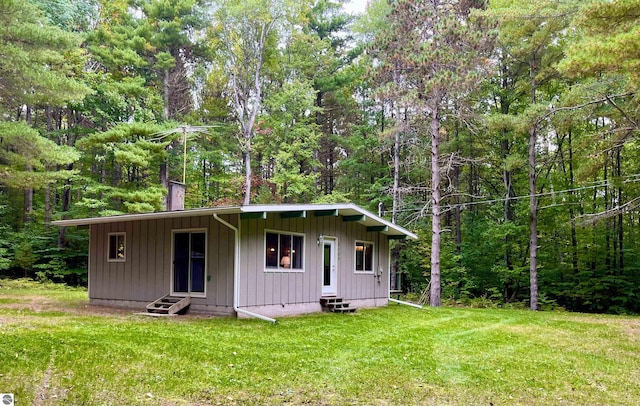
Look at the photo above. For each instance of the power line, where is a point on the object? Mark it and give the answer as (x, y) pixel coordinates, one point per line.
(604, 183)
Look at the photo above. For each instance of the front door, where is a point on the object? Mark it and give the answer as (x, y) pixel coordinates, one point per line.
(189, 254)
(329, 274)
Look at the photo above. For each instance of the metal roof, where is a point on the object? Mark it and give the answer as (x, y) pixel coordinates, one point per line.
(347, 210)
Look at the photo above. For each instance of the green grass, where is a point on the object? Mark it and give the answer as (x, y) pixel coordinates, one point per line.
(54, 349)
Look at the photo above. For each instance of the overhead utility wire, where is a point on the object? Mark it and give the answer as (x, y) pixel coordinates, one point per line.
(605, 183)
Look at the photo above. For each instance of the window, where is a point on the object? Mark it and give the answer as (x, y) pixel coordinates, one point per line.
(364, 256)
(283, 252)
(117, 247)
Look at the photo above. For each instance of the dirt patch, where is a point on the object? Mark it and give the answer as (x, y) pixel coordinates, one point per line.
(47, 392)
(94, 310)
(42, 391)
(32, 305)
(36, 304)
(42, 304)
(629, 325)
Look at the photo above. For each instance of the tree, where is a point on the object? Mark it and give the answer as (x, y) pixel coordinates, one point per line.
(605, 40)
(542, 25)
(22, 147)
(33, 68)
(325, 51)
(290, 137)
(246, 35)
(69, 15)
(38, 71)
(433, 53)
(123, 162)
(172, 29)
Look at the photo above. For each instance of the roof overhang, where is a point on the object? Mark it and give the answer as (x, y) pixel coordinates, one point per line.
(348, 211)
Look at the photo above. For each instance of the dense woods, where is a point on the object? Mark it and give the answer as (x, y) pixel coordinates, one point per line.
(503, 132)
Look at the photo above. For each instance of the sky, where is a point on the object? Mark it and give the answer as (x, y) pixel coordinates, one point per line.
(356, 6)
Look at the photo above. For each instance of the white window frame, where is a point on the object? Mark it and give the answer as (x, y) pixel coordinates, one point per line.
(373, 257)
(124, 243)
(280, 268)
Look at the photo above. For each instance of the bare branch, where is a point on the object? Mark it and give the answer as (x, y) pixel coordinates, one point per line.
(594, 218)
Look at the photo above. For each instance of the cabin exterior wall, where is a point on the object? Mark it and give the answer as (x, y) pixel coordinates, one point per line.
(282, 292)
(145, 274)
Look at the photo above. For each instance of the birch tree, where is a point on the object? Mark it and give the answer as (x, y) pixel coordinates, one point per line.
(245, 33)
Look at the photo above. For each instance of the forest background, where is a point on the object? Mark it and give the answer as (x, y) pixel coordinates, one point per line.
(504, 133)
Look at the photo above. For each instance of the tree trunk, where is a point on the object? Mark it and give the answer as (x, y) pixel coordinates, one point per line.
(28, 202)
(66, 203)
(533, 199)
(620, 217)
(458, 210)
(533, 225)
(396, 174)
(247, 168)
(164, 180)
(165, 94)
(607, 221)
(435, 208)
(507, 177)
(47, 203)
(572, 216)
(47, 188)
(396, 150)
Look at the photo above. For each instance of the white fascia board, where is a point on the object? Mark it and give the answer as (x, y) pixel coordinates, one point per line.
(398, 230)
(346, 208)
(280, 208)
(145, 216)
(370, 218)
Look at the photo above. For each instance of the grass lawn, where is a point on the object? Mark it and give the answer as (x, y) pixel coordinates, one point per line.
(55, 349)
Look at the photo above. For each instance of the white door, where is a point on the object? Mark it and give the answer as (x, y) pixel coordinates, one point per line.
(329, 273)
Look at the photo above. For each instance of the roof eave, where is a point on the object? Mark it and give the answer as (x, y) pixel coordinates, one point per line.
(392, 229)
(145, 216)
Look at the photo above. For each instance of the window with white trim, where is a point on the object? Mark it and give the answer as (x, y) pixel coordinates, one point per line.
(117, 247)
(284, 251)
(364, 256)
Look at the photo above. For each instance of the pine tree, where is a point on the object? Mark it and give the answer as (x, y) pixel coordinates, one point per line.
(433, 54)
(532, 38)
(38, 70)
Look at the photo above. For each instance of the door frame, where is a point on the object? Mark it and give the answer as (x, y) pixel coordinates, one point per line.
(206, 261)
(332, 288)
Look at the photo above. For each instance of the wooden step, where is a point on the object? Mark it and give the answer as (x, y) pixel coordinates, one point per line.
(170, 299)
(344, 310)
(326, 300)
(336, 305)
(169, 305)
(341, 305)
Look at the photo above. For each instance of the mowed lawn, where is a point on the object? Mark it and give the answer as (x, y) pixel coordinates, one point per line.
(55, 349)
